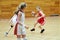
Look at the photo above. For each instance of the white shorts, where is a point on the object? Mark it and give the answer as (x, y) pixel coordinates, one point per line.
(20, 30)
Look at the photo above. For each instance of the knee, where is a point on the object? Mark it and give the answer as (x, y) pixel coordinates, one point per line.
(18, 36)
(23, 36)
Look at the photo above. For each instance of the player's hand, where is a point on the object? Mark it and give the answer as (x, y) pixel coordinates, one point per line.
(33, 13)
(26, 27)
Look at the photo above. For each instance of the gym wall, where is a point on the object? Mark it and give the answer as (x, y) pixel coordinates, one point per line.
(49, 7)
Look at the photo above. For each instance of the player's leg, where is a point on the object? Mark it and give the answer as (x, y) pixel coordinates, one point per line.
(42, 29)
(24, 37)
(33, 29)
(18, 37)
(24, 33)
(41, 21)
(19, 32)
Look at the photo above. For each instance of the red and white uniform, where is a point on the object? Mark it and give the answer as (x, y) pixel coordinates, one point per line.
(20, 29)
(41, 18)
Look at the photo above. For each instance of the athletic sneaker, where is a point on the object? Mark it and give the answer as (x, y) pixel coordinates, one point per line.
(33, 29)
(42, 30)
(11, 26)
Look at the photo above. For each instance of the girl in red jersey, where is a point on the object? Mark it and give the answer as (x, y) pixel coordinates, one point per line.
(40, 19)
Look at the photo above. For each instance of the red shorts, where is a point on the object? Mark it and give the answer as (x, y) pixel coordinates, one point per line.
(41, 21)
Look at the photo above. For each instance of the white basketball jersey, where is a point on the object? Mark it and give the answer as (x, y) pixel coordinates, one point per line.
(22, 18)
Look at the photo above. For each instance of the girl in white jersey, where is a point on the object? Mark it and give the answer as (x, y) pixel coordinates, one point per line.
(19, 30)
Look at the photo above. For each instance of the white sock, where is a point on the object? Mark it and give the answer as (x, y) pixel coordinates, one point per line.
(25, 38)
(18, 38)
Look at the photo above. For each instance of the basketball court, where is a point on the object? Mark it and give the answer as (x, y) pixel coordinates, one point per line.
(52, 28)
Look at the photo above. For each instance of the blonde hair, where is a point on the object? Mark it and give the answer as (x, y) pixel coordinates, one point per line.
(21, 6)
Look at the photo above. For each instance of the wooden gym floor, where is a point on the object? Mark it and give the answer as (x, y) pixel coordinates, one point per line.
(52, 29)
